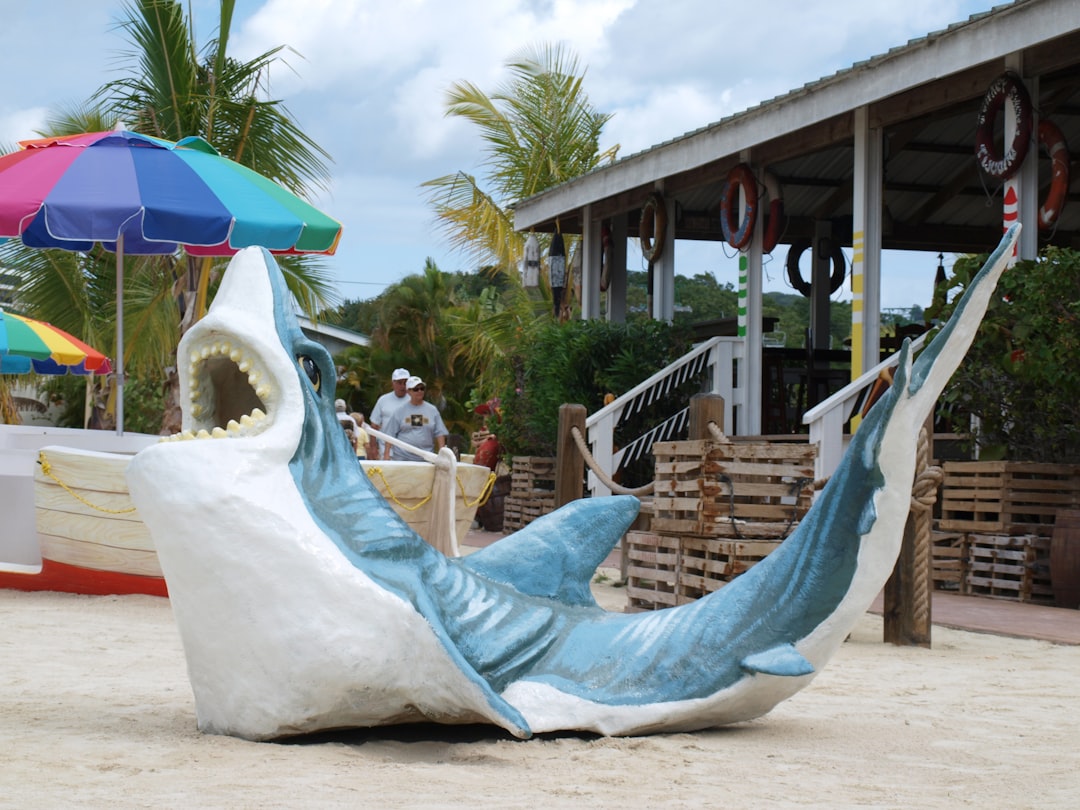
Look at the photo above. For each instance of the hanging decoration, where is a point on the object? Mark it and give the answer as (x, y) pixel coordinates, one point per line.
(828, 246)
(653, 228)
(1053, 141)
(557, 271)
(530, 263)
(738, 234)
(1008, 86)
(606, 248)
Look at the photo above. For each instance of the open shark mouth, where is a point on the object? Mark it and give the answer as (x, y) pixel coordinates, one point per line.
(304, 603)
(227, 392)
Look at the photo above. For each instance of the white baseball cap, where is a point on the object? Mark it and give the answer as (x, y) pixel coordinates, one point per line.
(400, 374)
(413, 382)
(339, 405)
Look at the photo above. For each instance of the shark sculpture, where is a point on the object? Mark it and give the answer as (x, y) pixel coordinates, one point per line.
(304, 603)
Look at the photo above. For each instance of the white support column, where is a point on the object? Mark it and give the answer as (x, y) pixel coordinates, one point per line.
(590, 265)
(664, 270)
(866, 246)
(1025, 183)
(616, 292)
(751, 372)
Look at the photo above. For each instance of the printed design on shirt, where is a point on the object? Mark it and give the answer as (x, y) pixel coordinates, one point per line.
(417, 420)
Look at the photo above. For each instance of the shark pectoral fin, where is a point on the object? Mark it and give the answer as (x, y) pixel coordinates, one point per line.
(783, 659)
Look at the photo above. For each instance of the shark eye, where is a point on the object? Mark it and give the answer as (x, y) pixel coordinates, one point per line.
(311, 370)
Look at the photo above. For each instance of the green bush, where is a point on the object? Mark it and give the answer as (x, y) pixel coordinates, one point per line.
(1021, 378)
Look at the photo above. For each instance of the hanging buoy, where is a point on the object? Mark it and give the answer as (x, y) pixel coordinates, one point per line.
(836, 277)
(1053, 140)
(737, 234)
(774, 222)
(1009, 87)
(653, 228)
(530, 263)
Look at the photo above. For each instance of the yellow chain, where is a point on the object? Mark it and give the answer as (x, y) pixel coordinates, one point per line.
(485, 493)
(481, 499)
(46, 470)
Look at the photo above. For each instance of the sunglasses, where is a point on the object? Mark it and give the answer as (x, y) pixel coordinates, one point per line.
(418, 388)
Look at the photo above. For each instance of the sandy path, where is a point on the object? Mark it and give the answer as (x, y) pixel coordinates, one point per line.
(97, 712)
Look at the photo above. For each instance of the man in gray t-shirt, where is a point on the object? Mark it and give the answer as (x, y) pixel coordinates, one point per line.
(416, 422)
(385, 407)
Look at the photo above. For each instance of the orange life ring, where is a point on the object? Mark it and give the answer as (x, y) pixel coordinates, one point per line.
(1006, 86)
(738, 235)
(836, 277)
(653, 228)
(774, 223)
(1052, 139)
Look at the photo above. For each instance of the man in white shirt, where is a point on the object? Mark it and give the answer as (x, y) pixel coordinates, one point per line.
(388, 403)
(416, 422)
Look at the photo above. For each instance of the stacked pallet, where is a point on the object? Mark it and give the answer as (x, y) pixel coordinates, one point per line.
(532, 491)
(997, 518)
(718, 509)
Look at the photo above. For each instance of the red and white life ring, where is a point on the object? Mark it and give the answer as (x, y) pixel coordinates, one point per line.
(737, 234)
(836, 277)
(774, 222)
(1007, 86)
(1052, 139)
(653, 227)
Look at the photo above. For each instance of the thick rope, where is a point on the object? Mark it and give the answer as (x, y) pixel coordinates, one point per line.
(46, 470)
(923, 497)
(605, 479)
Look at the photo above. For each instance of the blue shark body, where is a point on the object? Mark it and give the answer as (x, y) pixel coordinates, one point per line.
(305, 603)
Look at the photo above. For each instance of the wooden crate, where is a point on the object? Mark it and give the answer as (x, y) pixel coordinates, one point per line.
(665, 570)
(532, 491)
(733, 490)
(1006, 497)
(949, 560)
(1009, 567)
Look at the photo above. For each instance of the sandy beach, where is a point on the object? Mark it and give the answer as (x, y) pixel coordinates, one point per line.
(97, 712)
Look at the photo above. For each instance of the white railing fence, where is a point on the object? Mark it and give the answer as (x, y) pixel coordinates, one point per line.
(715, 357)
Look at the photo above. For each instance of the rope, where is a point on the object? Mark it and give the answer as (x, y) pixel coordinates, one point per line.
(46, 470)
(605, 479)
(373, 471)
(715, 432)
(923, 496)
(485, 493)
(481, 499)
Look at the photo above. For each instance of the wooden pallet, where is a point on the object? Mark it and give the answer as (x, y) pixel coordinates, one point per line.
(949, 560)
(1009, 567)
(665, 570)
(733, 490)
(532, 491)
(1006, 497)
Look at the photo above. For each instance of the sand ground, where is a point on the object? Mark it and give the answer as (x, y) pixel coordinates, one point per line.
(96, 711)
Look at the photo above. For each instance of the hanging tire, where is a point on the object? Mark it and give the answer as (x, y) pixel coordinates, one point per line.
(1007, 87)
(606, 252)
(653, 228)
(795, 279)
(1052, 139)
(738, 234)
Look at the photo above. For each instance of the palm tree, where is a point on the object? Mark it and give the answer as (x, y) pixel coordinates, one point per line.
(170, 88)
(539, 130)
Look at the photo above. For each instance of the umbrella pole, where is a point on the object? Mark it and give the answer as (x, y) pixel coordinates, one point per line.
(120, 335)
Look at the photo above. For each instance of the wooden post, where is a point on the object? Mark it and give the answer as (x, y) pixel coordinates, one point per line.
(907, 595)
(705, 408)
(569, 463)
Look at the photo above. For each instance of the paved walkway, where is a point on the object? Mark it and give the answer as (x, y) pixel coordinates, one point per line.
(974, 613)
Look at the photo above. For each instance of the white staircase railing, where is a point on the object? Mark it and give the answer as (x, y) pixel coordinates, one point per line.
(827, 418)
(715, 356)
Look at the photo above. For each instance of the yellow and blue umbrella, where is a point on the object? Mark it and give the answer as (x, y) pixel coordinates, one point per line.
(142, 195)
(31, 345)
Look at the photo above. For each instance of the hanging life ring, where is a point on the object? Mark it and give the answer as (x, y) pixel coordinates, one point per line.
(1002, 167)
(653, 228)
(1052, 139)
(737, 234)
(836, 277)
(774, 222)
(606, 259)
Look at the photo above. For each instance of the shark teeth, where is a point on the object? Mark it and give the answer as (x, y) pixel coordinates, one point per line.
(229, 393)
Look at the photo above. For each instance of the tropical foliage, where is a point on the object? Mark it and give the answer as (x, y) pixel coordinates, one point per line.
(1020, 379)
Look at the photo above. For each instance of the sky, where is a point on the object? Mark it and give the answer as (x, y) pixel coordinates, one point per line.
(367, 81)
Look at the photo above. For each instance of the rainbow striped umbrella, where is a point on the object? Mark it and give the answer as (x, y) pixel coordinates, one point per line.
(30, 345)
(142, 195)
